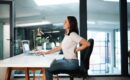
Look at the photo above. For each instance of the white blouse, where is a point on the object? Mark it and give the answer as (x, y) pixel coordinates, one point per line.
(69, 45)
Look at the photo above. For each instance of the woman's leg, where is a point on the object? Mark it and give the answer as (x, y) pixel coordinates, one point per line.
(60, 65)
(49, 74)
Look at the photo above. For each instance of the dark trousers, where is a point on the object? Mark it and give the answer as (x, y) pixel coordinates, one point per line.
(61, 65)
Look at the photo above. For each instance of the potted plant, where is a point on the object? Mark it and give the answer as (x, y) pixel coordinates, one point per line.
(40, 41)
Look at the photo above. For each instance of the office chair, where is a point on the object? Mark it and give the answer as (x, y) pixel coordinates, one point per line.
(82, 71)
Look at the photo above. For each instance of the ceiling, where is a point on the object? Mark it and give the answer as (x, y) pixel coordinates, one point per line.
(100, 14)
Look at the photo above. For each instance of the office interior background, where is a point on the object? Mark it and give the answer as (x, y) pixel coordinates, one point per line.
(103, 25)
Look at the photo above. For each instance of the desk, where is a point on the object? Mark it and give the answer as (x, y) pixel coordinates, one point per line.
(24, 61)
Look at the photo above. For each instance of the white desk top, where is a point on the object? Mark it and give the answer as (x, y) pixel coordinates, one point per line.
(24, 60)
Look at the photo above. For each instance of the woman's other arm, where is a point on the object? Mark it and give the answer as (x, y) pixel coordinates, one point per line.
(84, 44)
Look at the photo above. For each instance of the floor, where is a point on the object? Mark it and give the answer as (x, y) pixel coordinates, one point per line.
(90, 78)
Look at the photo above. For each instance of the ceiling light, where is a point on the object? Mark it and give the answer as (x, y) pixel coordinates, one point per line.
(54, 2)
(115, 0)
(33, 24)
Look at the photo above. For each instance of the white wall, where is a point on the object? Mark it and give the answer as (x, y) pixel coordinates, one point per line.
(6, 41)
(6, 49)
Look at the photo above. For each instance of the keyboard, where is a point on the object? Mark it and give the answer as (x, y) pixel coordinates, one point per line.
(32, 53)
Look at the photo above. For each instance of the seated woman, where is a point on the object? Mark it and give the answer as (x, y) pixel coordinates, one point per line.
(69, 48)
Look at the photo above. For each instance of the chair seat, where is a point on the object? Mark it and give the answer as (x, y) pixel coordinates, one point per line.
(77, 72)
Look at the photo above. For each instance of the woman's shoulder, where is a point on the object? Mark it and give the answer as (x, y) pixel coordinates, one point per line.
(73, 34)
(75, 37)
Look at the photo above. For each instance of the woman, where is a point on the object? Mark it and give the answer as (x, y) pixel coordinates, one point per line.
(69, 48)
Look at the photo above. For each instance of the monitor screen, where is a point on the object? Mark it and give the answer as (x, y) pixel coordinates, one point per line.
(25, 45)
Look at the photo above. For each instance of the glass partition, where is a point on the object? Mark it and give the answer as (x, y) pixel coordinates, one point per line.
(104, 25)
(41, 25)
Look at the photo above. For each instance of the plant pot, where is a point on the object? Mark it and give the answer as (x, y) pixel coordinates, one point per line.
(39, 47)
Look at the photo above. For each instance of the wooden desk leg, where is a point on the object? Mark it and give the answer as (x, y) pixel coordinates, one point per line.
(8, 73)
(27, 74)
(43, 74)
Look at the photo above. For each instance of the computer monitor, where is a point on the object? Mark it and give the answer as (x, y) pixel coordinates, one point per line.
(25, 46)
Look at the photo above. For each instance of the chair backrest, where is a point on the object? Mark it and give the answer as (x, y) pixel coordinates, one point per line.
(85, 56)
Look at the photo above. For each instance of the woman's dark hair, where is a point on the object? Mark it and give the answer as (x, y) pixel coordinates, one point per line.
(73, 24)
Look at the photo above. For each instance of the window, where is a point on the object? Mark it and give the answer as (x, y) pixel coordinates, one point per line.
(103, 23)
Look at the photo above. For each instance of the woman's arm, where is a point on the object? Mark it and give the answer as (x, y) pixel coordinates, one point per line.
(56, 49)
(84, 44)
(42, 52)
